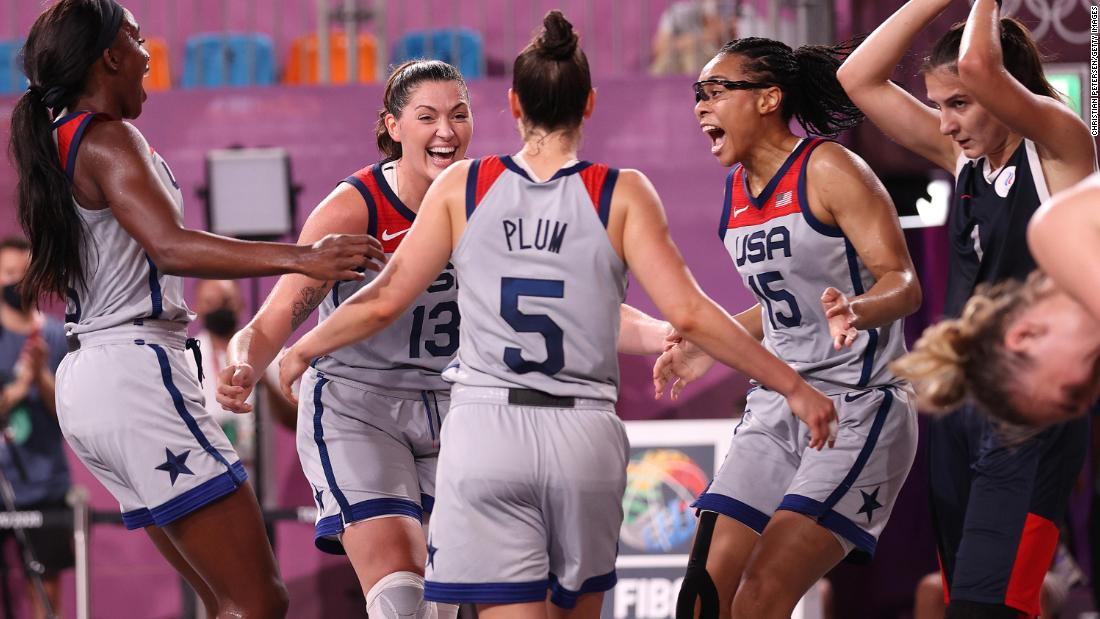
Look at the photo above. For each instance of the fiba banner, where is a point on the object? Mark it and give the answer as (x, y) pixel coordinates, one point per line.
(671, 463)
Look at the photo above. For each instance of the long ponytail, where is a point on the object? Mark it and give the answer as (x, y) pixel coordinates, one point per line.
(60, 49)
(807, 76)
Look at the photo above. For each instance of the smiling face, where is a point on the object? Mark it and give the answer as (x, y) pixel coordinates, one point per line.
(132, 64)
(734, 119)
(434, 128)
(1061, 341)
(977, 132)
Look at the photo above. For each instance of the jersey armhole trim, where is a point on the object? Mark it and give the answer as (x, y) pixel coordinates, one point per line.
(372, 208)
(471, 187)
(605, 195)
(727, 203)
(803, 201)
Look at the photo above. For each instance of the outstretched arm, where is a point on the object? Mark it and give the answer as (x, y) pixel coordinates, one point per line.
(417, 263)
(866, 73)
(123, 177)
(642, 334)
(290, 303)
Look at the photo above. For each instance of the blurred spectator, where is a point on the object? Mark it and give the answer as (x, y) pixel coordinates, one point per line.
(218, 304)
(690, 33)
(32, 457)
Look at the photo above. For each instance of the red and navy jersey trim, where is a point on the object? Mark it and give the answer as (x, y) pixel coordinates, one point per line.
(480, 177)
(70, 131)
(356, 180)
(599, 180)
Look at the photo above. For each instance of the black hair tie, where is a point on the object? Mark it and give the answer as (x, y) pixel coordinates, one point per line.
(54, 96)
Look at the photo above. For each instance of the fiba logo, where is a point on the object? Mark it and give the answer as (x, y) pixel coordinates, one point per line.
(660, 486)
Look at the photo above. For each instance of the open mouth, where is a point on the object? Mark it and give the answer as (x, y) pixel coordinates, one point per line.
(442, 156)
(717, 137)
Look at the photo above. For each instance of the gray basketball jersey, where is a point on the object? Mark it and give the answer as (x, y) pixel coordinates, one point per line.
(787, 258)
(121, 283)
(539, 284)
(412, 352)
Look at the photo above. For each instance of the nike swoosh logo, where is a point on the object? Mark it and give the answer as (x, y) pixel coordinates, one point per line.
(738, 211)
(386, 236)
(848, 397)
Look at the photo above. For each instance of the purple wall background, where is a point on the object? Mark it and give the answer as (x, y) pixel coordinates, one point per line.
(645, 124)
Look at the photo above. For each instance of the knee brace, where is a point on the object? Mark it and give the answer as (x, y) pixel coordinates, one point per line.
(698, 584)
(399, 595)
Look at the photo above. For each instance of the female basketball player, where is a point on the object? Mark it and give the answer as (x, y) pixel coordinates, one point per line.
(1026, 352)
(370, 412)
(816, 238)
(102, 212)
(998, 126)
(532, 463)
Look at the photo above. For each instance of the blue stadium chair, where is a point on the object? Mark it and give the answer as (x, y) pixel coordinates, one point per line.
(440, 44)
(11, 72)
(216, 59)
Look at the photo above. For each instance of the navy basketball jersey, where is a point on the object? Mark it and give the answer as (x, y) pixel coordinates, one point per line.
(787, 258)
(988, 222)
(539, 283)
(410, 353)
(121, 283)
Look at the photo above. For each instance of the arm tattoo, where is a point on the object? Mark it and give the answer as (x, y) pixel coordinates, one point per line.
(308, 299)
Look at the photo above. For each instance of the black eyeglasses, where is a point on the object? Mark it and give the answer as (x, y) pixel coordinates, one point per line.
(706, 89)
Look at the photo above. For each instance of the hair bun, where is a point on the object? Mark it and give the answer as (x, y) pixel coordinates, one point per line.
(557, 39)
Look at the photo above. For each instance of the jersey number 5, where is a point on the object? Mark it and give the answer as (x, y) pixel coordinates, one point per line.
(511, 289)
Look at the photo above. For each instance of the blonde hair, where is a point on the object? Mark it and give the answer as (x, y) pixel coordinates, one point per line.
(965, 358)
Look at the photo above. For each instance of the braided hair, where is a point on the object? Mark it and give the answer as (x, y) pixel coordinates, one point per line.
(806, 76)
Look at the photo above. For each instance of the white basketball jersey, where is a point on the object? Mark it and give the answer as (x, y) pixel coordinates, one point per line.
(787, 258)
(539, 284)
(121, 283)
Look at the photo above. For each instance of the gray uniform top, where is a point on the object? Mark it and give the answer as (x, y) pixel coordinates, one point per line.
(539, 283)
(410, 353)
(121, 283)
(787, 258)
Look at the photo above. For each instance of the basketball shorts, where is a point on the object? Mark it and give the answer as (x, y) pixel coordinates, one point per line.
(133, 412)
(368, 452)
(849, 489)
(529, 498)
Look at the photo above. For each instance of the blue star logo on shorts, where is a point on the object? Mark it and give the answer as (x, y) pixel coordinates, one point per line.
(176, 465)
(317, 497)
(870, 504)
(431, 554)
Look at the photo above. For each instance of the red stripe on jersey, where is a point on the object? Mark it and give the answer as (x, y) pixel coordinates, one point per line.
(65, 135)
(391, 224)
(1038, 543)
(488, 171)
(594, 177)
(783, 201)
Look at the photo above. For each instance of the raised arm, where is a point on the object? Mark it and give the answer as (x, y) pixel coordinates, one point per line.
(1064, 236)
(866, 73)
(290, 303)
(853, 199)
(656, 262)
(419, 260)
(121, 169)
(1059, 133)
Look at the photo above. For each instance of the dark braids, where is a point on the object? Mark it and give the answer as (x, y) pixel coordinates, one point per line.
(807, 77)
